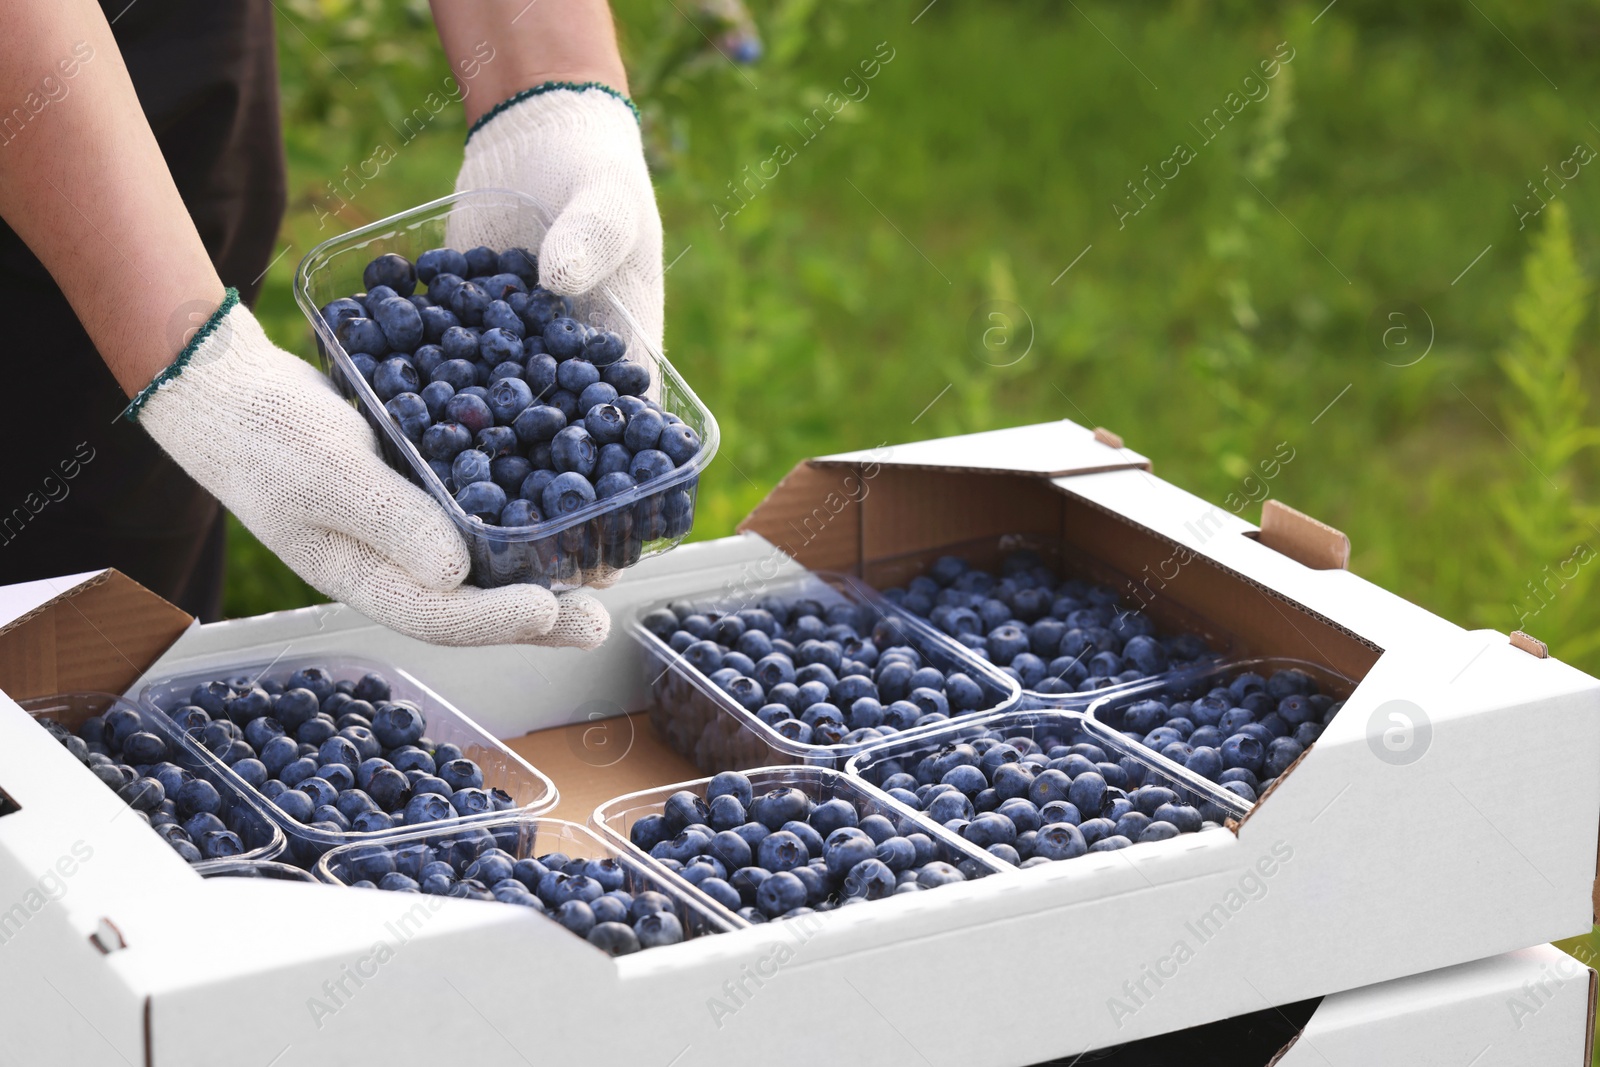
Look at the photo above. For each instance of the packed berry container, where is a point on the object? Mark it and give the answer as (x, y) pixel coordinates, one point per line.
(229, 825)
(768, 711)
(749, 839)
(1035, 787)
(1067, 627)
(383, 786)
(1238, 724)
(517, 527)
(524, 860)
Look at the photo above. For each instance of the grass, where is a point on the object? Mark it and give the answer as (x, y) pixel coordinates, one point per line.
(1388, 169)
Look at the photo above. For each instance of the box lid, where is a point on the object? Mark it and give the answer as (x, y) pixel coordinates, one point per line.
(93, 631)
(1046, 449)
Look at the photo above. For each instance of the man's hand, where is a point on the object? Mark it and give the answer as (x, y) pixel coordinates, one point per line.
(269, 436)
(575, 150)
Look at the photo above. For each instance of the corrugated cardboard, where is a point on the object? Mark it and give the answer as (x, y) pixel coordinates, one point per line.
(1355, 871)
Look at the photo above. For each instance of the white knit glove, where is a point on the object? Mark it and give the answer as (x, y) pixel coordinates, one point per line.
(577, 150)
(269, 436)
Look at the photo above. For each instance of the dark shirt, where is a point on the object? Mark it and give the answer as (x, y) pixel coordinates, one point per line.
(80, 488)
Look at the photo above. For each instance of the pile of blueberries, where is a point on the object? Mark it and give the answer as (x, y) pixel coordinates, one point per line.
(335, 756)
(199, 820)
(820, 674)
(1053, 636)
(1241, 733)
(784, 853)
(525, 414)
(1040, 793)
(601, 900)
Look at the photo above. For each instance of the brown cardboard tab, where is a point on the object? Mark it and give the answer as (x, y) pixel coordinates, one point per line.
(1107, 438)
(1302, 538)
(1530, 644)
(99, 635)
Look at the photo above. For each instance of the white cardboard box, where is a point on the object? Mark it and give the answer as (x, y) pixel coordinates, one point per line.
(1356, 870)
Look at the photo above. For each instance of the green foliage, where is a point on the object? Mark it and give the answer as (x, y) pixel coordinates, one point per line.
(1548, 528)
(835, 308)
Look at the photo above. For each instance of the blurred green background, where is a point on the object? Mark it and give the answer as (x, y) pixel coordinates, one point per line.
(1385, 259)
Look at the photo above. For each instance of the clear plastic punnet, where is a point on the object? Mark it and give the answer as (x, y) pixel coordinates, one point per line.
(527, 836)
(1124, 769)
(529, 789)
(615, 818)
(612, 533)
(242, 809)
(706, 725)
(1189, 640)
(1284, 703)
(267, 869)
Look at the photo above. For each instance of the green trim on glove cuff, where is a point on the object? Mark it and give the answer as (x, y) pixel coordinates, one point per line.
(230, 300)
(549, 87)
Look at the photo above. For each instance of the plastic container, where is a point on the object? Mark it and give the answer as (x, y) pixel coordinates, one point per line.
(261, 836)
(987, 554)
(529, 788)
(615, 818)
(278, 872)
(709, 728)
(527, 836)
(1048, 728)
(1108, 712)
(558, 551)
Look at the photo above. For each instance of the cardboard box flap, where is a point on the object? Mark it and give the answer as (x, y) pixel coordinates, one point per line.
(1048, 449)
(97, 631)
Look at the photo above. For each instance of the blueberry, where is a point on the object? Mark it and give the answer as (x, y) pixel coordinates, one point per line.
(614, 939)
(508, 397)
(411, 412)
(336, 311)
(596, 395)
(1243, 751)
(483, 499)
(779, 893)
(612, 484)
(627, 377)
(657, 929)
(576, 375)
(567, 493)
(427, 807)
(143, 747)
(605, 423)
(544, 307)
(467, 302)
(563, 338)
(651, 463)
(471, 412)
(391, 271)
(400, 322)
(470, 466)
(358, 334)
(461, 773)
(680, 443)
(498, 346)
(538, 422)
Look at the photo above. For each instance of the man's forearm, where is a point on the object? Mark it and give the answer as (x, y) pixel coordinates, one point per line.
(84, 184)
(542, 41)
